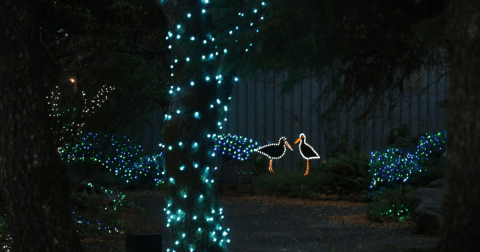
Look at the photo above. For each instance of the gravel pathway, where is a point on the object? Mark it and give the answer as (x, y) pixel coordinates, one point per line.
(265, 223)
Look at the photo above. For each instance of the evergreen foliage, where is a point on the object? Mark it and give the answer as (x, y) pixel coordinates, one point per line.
(362, 50)
(346, 173)
(105, 65)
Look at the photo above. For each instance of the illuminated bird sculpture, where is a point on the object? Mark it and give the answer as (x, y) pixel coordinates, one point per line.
(274, 151)
(306, 150)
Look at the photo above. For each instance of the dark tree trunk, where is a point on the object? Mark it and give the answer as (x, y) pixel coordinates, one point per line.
(461, 225)
(34, 181)
(193, 214)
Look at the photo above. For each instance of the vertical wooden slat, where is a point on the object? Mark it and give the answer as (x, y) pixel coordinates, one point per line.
(410, 106)
(265, 109)
(237, 110)
(283, 116)
(382, 122)
(274, 107)
(301, 105)
(428, 100)
(255, 110)
(418, 108)
(310, 113)
(246, 109)
(292, 166)
(373, 137)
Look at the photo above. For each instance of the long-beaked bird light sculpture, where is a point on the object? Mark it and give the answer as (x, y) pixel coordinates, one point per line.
(306, 150)
(274, 151)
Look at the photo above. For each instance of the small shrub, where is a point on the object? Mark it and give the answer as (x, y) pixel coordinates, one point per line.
(397, 204)
(94, 215)
(398, 165)
(433, 169)
(290, 183)
(94, 154)
(345, 173)
(260, 163)
(237, 147)
(392, 166)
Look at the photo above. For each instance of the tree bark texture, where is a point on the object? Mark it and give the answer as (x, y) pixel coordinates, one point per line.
(34, 182)
(461, 207)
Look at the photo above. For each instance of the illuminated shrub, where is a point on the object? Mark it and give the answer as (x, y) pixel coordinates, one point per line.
(398, 165)
(119, 156)
(237, 147)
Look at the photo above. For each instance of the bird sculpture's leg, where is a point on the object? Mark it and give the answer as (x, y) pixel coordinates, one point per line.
(270, 169)
(306, 173)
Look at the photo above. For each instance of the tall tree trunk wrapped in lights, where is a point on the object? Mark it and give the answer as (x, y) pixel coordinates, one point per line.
(199, 94)
(34, 181)
(461, 223)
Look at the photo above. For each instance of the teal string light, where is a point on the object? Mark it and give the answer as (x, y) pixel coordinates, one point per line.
(202, 224)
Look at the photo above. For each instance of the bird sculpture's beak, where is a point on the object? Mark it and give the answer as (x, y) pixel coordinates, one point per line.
(288, 145)
(298, 140)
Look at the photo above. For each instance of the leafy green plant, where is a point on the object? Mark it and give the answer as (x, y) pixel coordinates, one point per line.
(346, 173)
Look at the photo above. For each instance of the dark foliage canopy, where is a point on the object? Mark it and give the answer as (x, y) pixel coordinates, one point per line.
(361, 48)
(106, 64)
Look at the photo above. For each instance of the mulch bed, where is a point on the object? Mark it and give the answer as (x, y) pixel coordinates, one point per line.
(266, 223)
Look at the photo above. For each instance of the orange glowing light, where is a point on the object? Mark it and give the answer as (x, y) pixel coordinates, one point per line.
(270, 166)
(72, 80)
(306, 173)
(288, 145)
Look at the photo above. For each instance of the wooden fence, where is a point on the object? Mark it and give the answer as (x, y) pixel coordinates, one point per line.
(258, 111)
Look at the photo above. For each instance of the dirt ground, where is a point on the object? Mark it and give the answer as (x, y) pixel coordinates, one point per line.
(266, 223)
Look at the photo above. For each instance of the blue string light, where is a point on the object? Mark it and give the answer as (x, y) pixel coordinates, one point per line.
(397, 165)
